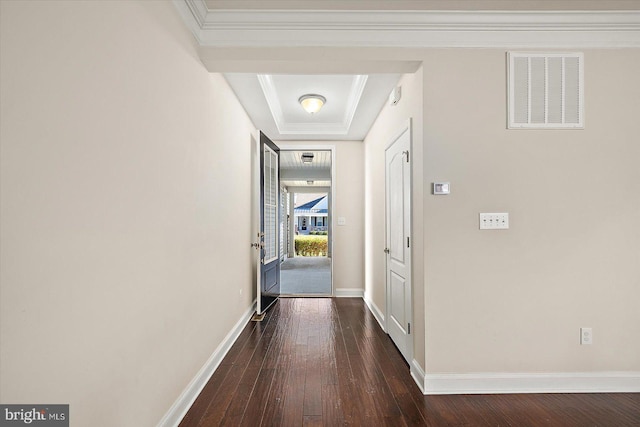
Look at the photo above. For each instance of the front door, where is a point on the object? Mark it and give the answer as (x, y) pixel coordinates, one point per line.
(269, 232)
(398, 241)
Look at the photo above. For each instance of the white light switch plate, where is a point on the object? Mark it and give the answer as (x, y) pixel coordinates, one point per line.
(342, 220)
(494, 221)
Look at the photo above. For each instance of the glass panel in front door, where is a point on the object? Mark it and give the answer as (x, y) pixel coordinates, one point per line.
(270, 205)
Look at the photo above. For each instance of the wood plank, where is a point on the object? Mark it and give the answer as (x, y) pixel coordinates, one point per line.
(256, 405)
(313, 380)
(327, 318)
(294, 393)
(274, 410)
(235, 411)
(332, 414)
(312, 421)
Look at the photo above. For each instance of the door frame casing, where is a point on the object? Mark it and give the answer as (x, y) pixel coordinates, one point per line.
(284, 146)
(406, 127)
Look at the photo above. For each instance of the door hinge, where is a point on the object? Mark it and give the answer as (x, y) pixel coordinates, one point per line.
(407, 241)
(408, 328)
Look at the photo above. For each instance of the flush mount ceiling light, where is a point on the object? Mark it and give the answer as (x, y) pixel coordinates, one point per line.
(312, 103)
(306, 157)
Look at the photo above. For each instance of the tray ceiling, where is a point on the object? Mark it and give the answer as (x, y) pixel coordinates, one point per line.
(353, 103)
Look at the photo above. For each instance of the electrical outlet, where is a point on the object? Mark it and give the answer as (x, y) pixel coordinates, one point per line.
(586, 336)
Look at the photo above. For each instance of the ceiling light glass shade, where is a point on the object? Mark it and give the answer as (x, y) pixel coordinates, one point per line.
(312, 103)
(307, 157)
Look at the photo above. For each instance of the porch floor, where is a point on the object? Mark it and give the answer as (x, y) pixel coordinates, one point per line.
(306, 275)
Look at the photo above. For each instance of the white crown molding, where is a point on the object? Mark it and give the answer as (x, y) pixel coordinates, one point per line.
(505, 383)
(355, 94)
(273, 101)
(194, 14)
(310, 128)
(416, 28)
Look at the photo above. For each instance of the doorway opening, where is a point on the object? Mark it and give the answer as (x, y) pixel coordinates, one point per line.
(306, 186)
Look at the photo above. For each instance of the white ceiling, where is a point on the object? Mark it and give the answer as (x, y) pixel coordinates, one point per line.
(292, 160)
(353, 103)
(295, 173)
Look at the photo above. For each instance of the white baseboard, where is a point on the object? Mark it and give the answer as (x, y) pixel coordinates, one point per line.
(180, 407)
(373, 308)
(349, 293)
(417, 373)
(503, 383)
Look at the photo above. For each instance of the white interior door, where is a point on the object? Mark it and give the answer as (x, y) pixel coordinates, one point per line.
(398, 241)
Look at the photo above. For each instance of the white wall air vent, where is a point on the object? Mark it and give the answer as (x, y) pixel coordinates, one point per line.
(546, 90)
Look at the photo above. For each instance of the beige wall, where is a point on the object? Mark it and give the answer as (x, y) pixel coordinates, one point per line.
(515, 299)
(390, 121)
(125, 186)
(348, 240)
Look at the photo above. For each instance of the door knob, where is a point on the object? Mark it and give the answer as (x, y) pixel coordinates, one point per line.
(386, 250)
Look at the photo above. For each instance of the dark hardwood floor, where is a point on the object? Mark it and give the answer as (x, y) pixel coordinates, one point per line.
(326, 362)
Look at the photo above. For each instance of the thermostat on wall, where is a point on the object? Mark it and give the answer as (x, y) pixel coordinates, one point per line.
(441, 188)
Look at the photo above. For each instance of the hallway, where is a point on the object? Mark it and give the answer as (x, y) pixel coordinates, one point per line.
(325, 361)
